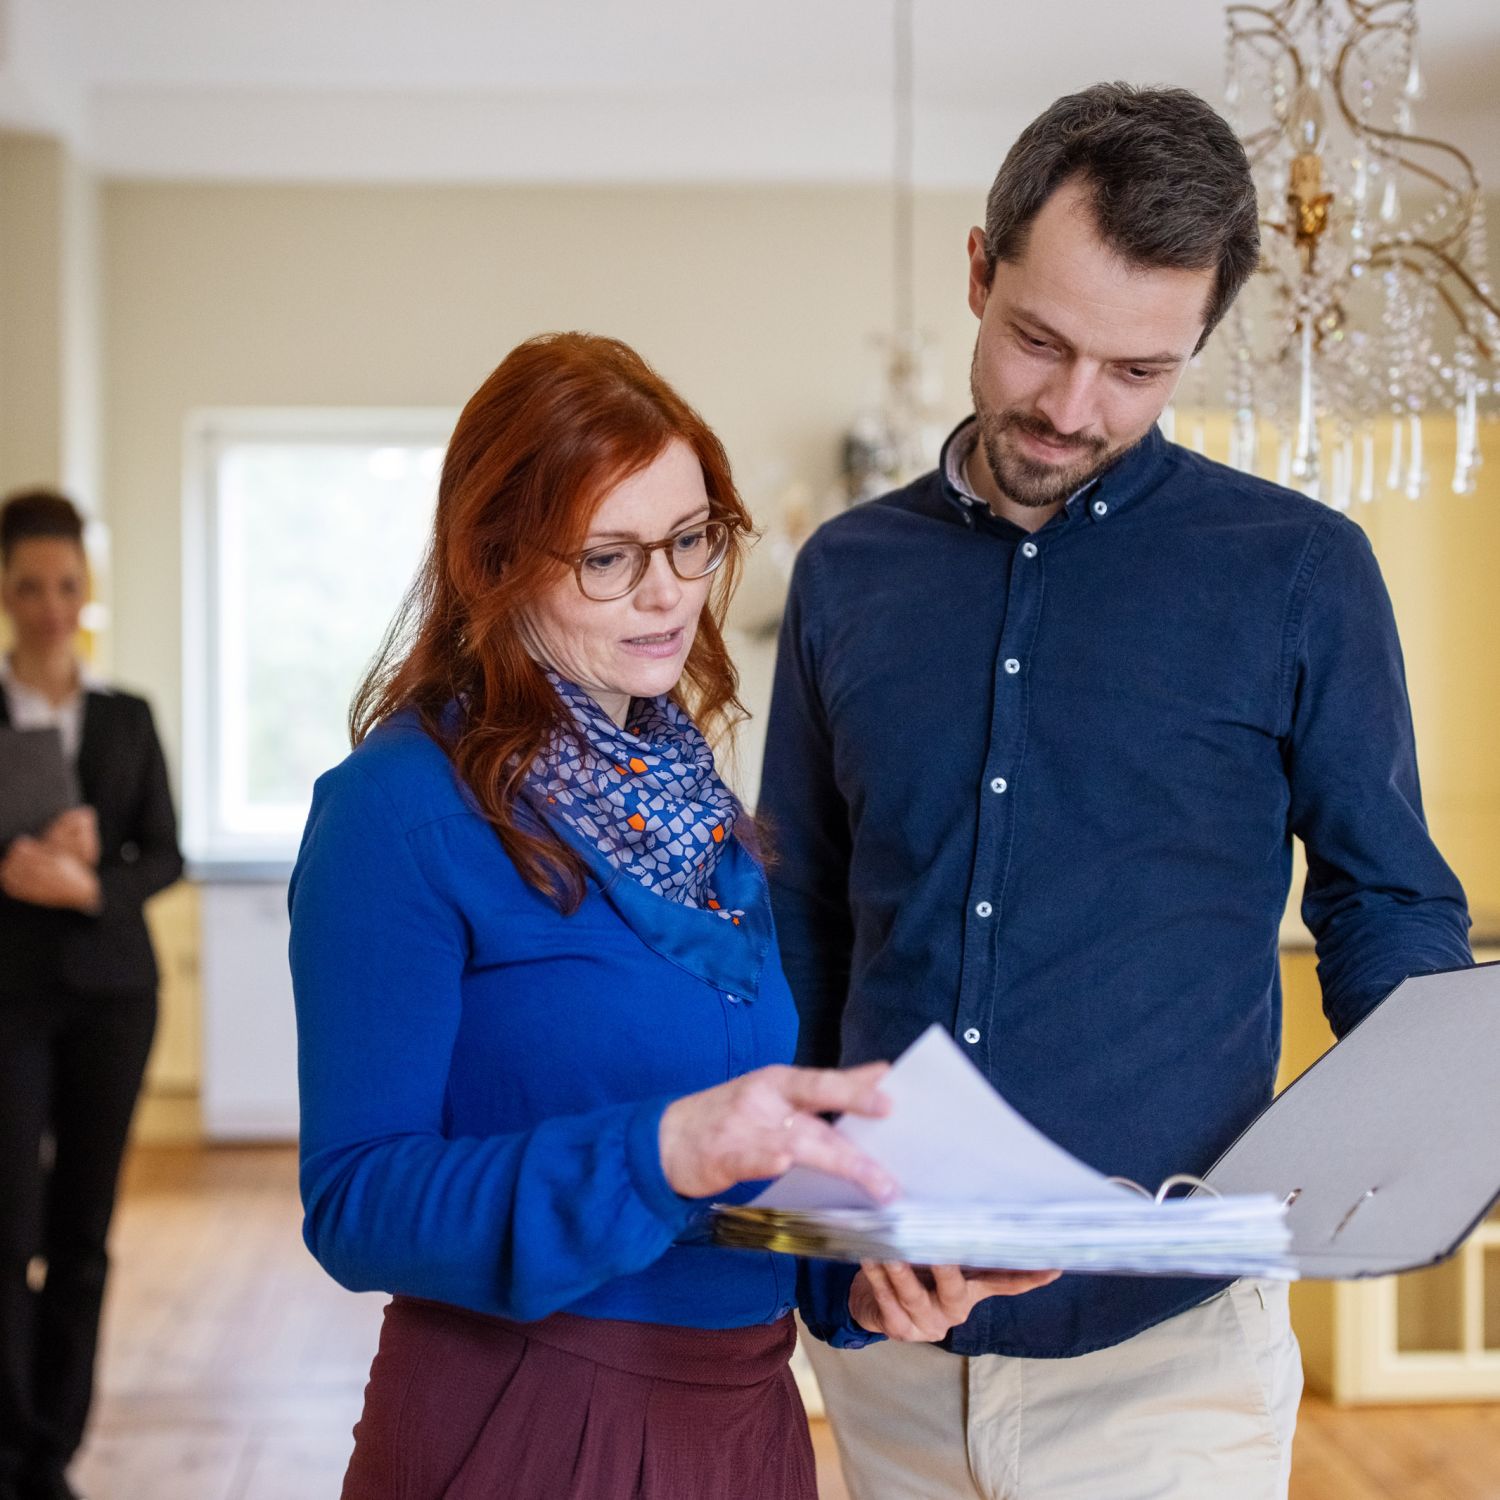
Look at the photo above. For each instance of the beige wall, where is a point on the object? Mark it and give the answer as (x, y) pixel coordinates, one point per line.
(80, 335)
(32, 173)
(50, 336)
(49, 317)
(758, 302)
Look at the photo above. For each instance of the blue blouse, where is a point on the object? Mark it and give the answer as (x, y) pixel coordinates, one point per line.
(483, 1079)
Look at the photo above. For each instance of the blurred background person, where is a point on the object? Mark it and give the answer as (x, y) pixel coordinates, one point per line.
(77, 994)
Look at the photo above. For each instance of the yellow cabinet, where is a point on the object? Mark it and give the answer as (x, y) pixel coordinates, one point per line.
(168, 1112)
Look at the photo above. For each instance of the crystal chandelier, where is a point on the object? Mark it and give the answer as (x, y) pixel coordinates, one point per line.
(1372, 307)
(895, 437)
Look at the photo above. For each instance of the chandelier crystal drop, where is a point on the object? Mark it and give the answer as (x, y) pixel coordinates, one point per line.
(1372, 307)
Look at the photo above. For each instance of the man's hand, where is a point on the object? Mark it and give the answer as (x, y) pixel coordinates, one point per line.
(41, 875)
(894, 1299)
(75, 832)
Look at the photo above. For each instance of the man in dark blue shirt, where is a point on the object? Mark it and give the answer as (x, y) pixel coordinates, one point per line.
(1045, 724)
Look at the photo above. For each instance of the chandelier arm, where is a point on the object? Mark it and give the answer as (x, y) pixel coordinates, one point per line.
(1365, 11)
(1258, 146)
(1481, 344)
(1453, 237)
(1274, 28)
(1389, 250)
(1456, 190)
(1462, 194)
(1273, 25)
(1275, 17)
(1379, 137)
(1450, 302)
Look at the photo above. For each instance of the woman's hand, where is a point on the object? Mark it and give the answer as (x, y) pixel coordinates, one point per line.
(75, 832)
(895, 1299)
(763, 1123)
(43, 876)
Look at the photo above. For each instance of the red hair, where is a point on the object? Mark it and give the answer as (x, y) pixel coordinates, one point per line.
(563, 420)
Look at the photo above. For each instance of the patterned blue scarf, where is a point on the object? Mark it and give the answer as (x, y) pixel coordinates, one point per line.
(648, 796)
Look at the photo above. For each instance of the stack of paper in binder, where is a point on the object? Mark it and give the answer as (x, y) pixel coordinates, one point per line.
(984, 1188)
(1385, 1153)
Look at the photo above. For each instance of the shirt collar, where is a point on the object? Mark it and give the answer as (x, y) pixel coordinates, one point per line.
(1130, 476)
(956, 450)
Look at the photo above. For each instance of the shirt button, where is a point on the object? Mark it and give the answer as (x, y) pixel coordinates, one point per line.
(1028, 549)
(1012, 665)
(999, 784)
(971, 1036)
(1100, 508)
(984, 909)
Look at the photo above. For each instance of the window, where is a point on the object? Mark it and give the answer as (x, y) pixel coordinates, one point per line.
(303, 531)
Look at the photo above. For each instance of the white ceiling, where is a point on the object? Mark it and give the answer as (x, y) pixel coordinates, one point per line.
(607, 90)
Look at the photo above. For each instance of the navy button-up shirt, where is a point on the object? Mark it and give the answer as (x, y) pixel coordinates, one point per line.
(1042, 790)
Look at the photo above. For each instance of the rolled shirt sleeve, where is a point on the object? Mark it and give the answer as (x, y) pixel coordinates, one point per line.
(1380, 900)
(823, 1300)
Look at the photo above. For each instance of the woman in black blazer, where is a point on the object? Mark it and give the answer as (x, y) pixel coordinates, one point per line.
(77, 996)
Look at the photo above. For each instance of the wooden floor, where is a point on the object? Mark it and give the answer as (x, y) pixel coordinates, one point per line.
(232, 1367)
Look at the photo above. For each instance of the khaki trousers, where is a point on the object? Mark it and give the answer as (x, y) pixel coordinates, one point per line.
(1201, 1407)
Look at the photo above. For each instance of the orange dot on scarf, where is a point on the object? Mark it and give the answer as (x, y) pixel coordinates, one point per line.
(638, 765)
(718, 833)
(636, 821)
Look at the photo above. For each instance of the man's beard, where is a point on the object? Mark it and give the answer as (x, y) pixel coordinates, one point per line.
(1027, 481)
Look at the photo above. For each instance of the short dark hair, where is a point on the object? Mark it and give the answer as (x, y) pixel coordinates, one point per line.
(1170, 180)
(33, 513)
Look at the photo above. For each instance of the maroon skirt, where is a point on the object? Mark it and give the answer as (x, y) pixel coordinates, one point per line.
(461, 1406)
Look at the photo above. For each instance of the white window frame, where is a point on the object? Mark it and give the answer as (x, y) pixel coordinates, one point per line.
(207, 432)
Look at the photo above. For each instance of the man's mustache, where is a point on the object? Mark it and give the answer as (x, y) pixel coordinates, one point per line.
(1039, 427)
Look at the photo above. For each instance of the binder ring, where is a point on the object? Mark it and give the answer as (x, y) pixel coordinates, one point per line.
(1178, 1179)
(1185, 1179)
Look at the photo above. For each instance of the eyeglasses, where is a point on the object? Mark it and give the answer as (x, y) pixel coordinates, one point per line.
(611, 571)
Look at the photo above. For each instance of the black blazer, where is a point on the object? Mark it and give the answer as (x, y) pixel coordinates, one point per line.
(123, 775)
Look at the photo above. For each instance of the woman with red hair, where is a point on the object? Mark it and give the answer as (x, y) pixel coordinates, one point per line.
(541, 1015)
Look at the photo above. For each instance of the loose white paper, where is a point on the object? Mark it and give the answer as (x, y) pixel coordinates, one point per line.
(949, 1138)
(981, 1186)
